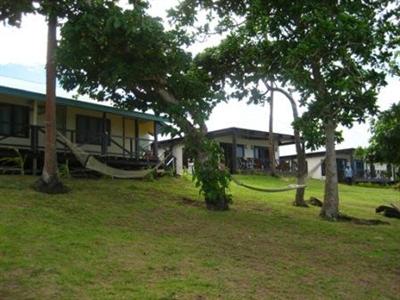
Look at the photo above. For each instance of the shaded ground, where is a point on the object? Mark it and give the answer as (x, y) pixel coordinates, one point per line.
(121, 239)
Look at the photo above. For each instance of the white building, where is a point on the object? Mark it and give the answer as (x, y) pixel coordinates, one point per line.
(362, 170)
(252, 148)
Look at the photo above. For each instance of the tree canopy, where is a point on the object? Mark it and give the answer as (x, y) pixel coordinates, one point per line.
(126, 56)
(385, 140)
(333, 53)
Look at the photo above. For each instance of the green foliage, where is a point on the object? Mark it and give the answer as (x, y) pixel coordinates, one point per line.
(18, 160)
(334, 54)
(11, 11)
(212, 180)
(151, 176)
(126, 56)
(361, 153)
(385, 141)
(64, 170)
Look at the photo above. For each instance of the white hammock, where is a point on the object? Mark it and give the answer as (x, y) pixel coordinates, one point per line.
(90, 162)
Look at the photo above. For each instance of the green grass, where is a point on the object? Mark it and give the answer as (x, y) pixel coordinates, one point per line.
(121, 239)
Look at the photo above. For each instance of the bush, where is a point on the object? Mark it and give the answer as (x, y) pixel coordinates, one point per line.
(212, 179)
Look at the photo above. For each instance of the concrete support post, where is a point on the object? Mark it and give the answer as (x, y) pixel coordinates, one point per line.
(234, 150)
(34, 138)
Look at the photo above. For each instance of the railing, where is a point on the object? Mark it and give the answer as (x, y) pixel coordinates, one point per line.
(101, 144)
(252, 164)
(21, 132)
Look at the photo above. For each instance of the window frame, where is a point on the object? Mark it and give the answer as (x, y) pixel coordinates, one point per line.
(242, 149)
(84, 139)
(13, 124)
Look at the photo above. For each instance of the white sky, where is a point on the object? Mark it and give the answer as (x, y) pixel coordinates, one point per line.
(27, 46)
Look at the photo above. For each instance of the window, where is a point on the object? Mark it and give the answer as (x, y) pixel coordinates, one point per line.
(89, 130)
(14, 120)
(261, 153)
(239, 151)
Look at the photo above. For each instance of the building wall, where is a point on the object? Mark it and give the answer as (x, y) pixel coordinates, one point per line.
(177, 149)
(249, 145)
(68, 116)
(315, 165)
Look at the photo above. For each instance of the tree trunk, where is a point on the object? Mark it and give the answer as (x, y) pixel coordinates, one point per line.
(49, 181)
(300, 150)
(301, 172)
(301, 160)
(271, 133)
(330, 207)
(216, 199)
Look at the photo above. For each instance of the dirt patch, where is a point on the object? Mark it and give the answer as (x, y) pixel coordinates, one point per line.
(315, 202)
(191, 202)
(357, 221)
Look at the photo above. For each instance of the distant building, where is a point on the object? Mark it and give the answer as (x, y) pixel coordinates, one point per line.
(120, 137)
(362, 170)
(244, 149)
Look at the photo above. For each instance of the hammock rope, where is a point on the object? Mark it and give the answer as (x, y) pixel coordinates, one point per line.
(90, 162)
(269, 190)
(277, 190)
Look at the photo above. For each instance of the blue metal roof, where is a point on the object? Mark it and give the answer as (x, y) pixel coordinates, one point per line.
(80, 104)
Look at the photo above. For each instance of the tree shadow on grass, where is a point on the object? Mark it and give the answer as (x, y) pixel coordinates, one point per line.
(358, 221)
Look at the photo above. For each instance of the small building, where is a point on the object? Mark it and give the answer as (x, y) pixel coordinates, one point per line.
(362, 170)
(119, 137)
(244, 149)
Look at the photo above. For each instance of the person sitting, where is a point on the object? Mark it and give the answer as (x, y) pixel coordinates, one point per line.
(348, 175)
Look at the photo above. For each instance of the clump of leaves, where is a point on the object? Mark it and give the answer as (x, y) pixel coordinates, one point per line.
(18, 160)
(212, 179)
(64, 170)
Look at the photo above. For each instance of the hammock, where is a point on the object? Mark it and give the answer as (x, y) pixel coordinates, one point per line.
(277, 190)
(269, 190)
(90, 162)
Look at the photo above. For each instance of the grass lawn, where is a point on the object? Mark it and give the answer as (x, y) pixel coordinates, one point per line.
(123, 239)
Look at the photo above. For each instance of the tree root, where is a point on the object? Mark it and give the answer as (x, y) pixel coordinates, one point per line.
(357, 221)
(55, 186)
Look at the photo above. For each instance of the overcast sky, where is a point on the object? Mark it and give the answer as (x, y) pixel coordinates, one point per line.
(26, 46)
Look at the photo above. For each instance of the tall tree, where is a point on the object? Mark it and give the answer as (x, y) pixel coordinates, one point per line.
(333, 52)
(244, 67)
(127, 57)
(11, 13)
(300, 149)
(385, 140)
(272, 158)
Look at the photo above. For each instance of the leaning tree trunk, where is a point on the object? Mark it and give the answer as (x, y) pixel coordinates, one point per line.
(300, 150)
(301, 160)
(330, 207)
(49, 181)
(271, 133)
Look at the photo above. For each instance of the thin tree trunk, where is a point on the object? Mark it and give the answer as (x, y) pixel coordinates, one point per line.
(271, 133)
(301, 160)
(330, 207)
(49, 181)
(300, 150)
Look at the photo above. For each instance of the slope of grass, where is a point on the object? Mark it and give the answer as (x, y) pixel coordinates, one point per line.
(122, 239)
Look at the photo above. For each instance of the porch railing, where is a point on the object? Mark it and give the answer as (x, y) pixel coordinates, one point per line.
(102, 144)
